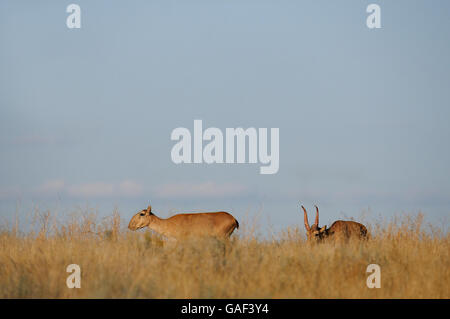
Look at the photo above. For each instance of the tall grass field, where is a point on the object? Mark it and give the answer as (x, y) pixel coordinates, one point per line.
(118, 263)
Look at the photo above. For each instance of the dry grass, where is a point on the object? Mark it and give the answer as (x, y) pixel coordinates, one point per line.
(117, 263)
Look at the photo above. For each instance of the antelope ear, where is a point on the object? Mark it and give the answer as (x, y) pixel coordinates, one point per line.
(323, 229)
(149, 209)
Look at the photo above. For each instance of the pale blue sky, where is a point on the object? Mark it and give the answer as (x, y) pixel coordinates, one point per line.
(86, 115)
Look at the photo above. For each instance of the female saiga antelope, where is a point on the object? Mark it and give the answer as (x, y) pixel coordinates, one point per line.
(339, 230)
(218, 224)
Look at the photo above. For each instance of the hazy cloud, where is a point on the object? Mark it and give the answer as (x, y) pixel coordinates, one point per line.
(50, 187)
(10, 192)
(197, 190)
(97, 189)
(126, 188)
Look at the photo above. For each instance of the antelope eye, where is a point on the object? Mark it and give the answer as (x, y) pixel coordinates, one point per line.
(142, 214)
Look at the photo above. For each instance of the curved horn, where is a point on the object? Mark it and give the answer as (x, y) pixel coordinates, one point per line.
(306, 219)
(317, 216)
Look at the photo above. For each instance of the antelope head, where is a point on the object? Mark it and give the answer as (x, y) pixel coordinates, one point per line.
(141, 219)
(314, 232)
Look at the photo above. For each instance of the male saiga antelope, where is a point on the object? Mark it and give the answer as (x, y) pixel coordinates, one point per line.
(339, 230)
(217, 224)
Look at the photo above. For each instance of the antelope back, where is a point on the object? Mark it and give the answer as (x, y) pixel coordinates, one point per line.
(347, 229)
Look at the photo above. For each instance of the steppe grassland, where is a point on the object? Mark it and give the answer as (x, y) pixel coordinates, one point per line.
(118, 263)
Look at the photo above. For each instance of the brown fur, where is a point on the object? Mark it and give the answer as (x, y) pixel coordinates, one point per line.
(213, 224)
(339, 230)
(342, 229)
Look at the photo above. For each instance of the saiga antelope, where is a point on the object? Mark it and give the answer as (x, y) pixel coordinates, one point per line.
(339, 230)
(217, 224)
